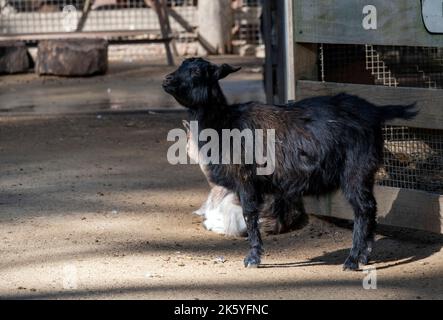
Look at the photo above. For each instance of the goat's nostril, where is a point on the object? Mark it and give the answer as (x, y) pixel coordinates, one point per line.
(168, 80)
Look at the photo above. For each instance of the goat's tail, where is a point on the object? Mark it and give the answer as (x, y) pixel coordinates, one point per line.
(398, 112)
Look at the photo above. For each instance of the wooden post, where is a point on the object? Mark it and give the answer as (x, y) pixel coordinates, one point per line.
(289, 58)
(214, 26)
(269, 59)
(163, 20)
(165, 13)
(286, 61)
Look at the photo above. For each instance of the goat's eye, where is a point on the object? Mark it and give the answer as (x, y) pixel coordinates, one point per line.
(195, 72)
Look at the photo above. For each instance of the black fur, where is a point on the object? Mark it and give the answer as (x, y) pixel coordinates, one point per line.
(324, 144)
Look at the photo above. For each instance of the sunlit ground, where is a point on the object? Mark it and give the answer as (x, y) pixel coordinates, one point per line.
(90, 208)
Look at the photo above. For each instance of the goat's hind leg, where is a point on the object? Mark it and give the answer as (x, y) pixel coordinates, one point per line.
(251, 202)
(364, 205)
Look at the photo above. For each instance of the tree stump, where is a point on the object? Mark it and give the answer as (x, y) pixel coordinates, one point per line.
(72, 57)
(14, 57)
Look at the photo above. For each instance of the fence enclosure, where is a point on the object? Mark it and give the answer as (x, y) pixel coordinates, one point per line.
(383, 52)
(121, 22)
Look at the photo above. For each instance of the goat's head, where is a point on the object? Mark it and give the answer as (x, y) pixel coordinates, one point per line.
(195, 83)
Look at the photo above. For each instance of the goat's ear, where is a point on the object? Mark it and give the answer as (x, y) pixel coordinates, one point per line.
(224, 70)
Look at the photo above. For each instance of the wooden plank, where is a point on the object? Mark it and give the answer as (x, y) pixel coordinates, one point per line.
(188, 27)
(164, 26)
(399, 22)
(85, 13)
(396, 207)
(34, 44)
(76, 35)
(305, 64)
(429, 101)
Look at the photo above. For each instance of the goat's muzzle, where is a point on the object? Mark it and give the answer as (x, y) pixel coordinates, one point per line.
(168, 83)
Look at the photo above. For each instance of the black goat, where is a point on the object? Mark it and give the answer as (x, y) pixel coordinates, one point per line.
(323, 144)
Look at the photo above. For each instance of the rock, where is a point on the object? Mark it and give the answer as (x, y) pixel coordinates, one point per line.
(247, 50)
(14, 57)
(72, 57)
(260, 52)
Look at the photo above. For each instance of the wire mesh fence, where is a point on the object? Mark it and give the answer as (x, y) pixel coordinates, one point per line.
(413, 157)
(44, 16)
(247, 19)
(25, 17)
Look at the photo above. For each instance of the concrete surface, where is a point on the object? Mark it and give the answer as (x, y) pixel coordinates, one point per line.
(126, 87)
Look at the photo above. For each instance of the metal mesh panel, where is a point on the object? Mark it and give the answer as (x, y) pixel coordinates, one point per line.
(247, 21)
(413, 157)
(419, 67)
(43, 16)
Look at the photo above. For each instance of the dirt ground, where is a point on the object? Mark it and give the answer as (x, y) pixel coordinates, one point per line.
(127, 87)
(90, 208)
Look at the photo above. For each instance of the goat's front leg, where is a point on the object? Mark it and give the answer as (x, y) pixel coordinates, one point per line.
(251, 202)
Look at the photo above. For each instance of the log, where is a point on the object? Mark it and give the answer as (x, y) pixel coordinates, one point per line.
(14, 57)
(72, 57)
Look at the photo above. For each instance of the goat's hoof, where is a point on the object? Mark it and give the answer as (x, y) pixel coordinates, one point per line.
(350, 265)
(252, 266)
(252, 261)
(364, 259)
